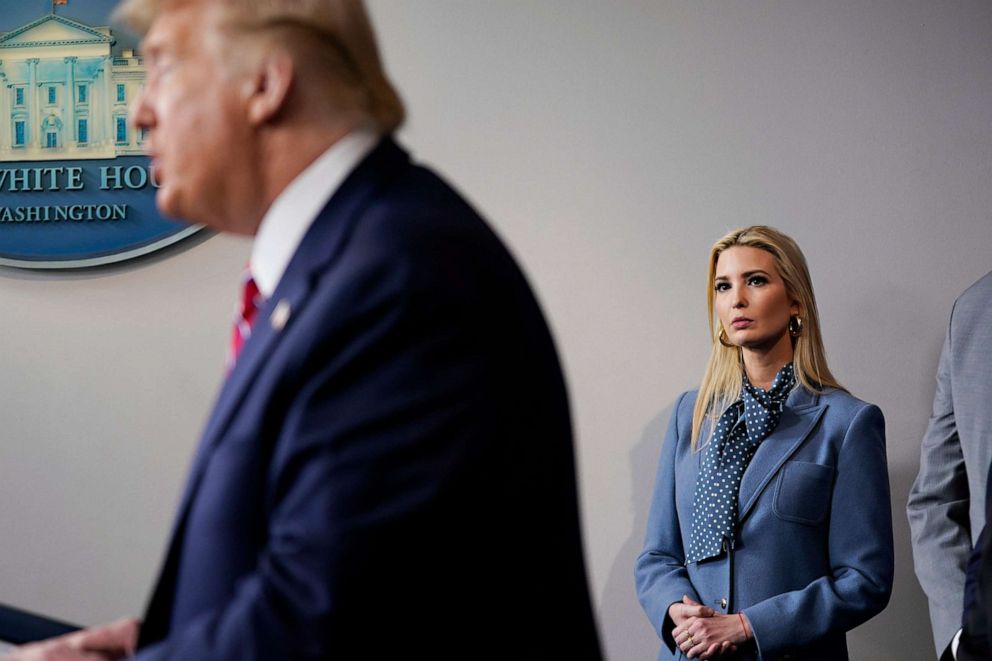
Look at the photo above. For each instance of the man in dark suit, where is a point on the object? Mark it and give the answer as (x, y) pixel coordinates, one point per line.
(388, 470)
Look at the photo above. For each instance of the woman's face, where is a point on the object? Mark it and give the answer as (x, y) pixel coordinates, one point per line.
(751, 300)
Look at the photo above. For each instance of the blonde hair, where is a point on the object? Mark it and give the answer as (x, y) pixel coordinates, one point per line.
(721, 383)
(344, 40)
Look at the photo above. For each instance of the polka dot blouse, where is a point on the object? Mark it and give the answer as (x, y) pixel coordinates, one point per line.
(738, 433)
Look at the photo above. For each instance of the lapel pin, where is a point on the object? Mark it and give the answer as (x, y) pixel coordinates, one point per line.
(280, 315)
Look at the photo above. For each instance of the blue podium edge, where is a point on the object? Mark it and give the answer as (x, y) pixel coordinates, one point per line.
(19, 627)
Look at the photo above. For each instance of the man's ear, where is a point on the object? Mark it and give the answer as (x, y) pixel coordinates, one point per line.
(266, 90)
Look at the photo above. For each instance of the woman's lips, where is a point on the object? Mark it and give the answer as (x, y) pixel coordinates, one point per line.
(741, 322)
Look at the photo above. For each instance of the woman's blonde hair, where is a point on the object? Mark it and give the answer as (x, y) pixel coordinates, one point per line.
(722, 381)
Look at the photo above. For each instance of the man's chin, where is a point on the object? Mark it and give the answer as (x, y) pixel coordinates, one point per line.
(167, 203)
(171, 204)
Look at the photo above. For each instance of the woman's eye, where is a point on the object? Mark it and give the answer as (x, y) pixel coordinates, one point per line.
(757, 280)
(722, 286)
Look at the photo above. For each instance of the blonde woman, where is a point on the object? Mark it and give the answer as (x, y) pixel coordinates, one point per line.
(770, 533)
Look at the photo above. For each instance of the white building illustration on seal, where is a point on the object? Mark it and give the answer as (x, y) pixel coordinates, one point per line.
(63, 95)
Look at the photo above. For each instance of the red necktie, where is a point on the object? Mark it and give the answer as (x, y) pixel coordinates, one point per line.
(244, 319)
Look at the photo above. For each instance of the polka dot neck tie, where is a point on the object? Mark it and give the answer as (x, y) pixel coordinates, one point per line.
(244, 317)
(725, 458)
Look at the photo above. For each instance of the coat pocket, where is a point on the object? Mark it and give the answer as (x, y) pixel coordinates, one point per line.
(803, 492)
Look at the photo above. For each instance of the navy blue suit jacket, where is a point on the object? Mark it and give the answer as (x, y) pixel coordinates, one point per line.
(390, 473)
(813, 553)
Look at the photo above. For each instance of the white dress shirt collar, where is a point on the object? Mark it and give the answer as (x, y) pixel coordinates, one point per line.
(297, 206)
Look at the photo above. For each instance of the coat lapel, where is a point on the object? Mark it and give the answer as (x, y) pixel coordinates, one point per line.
(321, 244)
(801, 413)
(264, 337)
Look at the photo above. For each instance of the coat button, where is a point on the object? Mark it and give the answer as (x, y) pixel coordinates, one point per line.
(723, 603)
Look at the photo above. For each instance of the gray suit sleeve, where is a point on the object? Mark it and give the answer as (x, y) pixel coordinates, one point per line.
(938, 511)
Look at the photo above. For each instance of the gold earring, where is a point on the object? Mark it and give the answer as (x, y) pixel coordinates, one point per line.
(795, 325)
(724, 340)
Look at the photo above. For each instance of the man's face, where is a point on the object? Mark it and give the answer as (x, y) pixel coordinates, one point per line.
(197, 134)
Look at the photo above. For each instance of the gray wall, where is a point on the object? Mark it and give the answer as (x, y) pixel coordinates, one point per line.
(610, 144)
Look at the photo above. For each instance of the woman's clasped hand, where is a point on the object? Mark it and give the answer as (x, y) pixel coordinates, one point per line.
(700, 632)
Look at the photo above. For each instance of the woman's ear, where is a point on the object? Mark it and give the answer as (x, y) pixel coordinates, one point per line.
(266, 90)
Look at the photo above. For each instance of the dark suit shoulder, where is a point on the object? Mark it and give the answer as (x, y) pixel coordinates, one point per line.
(417, 215)
(421, 199)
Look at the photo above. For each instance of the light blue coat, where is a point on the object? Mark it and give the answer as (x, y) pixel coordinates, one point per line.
(813, 552)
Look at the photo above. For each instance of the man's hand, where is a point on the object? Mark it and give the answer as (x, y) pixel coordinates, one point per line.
(108, 642)
(710, 637)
